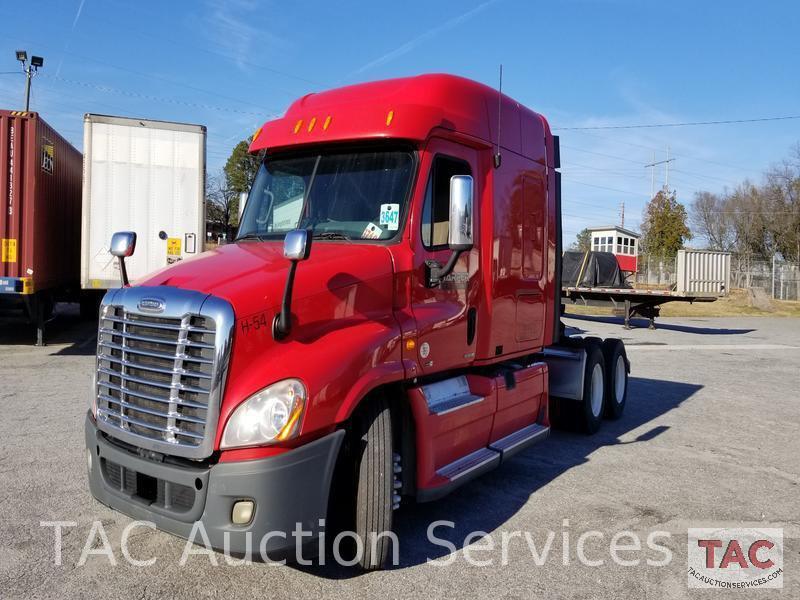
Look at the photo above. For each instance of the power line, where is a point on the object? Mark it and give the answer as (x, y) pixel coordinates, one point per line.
(678, 155)
(602, 187)
(108, 89)
(150, 76)
(686, 124)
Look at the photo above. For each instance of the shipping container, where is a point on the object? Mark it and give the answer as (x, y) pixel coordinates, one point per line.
(704, 271)
(144, 176)
(40, 219)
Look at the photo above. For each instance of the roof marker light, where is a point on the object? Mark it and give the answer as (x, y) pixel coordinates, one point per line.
(326, 123)
(298, 125)
(311, 124)
(389, 117)
(256, 134)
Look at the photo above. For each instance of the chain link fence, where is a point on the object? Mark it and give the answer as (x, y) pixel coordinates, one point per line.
(780, 279)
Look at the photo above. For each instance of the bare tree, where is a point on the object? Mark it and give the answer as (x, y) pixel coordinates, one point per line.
(222, 203)
(711, 220)
(783, 189)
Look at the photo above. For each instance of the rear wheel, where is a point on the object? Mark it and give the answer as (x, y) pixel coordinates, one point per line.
(616, 378)
(589, 411)
(374, 483)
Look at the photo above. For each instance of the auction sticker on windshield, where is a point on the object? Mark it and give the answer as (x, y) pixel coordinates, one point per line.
(390, 216)
(371, 232)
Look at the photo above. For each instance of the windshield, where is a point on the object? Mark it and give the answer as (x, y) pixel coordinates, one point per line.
(355, 195)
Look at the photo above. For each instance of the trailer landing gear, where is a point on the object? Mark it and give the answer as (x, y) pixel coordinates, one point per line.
(39, 308)
(648, 311)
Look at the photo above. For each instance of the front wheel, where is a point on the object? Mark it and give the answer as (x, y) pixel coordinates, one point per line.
(374, 484)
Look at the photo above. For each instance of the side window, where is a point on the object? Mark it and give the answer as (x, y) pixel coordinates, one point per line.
(436, 208)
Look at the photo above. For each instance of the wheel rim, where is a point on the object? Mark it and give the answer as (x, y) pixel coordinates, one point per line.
(619, 380)
(597, 390)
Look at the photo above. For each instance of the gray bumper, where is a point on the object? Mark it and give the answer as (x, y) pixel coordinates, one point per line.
(288, 489)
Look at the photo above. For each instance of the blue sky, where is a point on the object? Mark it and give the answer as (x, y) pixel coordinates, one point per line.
(582, 63)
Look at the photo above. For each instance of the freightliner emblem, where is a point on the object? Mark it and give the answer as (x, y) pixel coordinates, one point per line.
(155, 305)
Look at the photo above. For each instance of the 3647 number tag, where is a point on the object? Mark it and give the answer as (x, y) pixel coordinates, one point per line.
(390, 216)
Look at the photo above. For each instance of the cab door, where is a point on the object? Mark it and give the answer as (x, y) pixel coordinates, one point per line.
(445, 314)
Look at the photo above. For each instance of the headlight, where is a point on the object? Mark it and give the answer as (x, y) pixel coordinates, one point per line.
(271, 415)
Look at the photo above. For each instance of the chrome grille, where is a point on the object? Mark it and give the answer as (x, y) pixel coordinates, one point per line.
(158, 377)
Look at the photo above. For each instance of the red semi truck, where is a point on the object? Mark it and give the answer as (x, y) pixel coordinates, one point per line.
(385, 328)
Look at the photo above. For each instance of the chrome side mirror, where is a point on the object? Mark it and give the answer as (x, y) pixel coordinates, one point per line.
(460, 231)
(296, 247)
(123, 244)
(459, 236)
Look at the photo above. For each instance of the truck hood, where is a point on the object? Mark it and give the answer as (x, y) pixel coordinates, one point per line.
(252, 275)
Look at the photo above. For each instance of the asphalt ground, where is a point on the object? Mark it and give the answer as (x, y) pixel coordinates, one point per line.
(709, 439)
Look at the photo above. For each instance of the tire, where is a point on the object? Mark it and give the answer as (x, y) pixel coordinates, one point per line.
(374, 483)
(588, 413)
(617, 369)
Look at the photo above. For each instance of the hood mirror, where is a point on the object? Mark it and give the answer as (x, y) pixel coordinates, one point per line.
(296, 247)
(123, 244)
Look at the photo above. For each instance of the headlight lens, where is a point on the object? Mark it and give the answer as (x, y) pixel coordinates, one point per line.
(271, 415)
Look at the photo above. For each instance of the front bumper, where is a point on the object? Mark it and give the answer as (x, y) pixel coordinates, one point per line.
(290, 489)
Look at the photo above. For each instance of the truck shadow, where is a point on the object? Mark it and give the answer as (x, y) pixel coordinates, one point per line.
(485, 504)
(643, 324)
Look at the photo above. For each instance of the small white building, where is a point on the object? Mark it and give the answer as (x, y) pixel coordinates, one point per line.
(621, 242)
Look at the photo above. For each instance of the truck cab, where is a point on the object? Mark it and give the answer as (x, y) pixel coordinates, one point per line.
(384, 328)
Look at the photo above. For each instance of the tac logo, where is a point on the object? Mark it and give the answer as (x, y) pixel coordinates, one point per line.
(48, 156)
(735, 558)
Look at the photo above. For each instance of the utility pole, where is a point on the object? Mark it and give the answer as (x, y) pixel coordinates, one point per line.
(653, 166)
(30, 71)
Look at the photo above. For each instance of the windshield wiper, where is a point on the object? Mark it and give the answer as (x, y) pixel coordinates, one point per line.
(330, 235)
(249, 236)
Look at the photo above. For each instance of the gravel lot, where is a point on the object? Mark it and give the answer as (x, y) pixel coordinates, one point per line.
(709, 438)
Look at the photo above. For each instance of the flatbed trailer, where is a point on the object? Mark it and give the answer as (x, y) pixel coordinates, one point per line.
(629, 302)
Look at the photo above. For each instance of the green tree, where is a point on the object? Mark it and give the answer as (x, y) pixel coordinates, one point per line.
(241, 167)
(664, 228)
(583, 241)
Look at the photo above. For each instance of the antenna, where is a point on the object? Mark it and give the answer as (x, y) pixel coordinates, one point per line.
(499, 111)
(622, 214)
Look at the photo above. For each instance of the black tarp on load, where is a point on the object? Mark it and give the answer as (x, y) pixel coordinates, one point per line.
(591, 269)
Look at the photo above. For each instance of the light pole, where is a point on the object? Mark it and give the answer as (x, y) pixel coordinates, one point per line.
(30, 70)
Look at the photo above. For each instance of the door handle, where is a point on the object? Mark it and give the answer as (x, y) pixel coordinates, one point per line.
(472, 321)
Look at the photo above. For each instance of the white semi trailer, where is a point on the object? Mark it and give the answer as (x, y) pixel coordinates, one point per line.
(144, 176)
